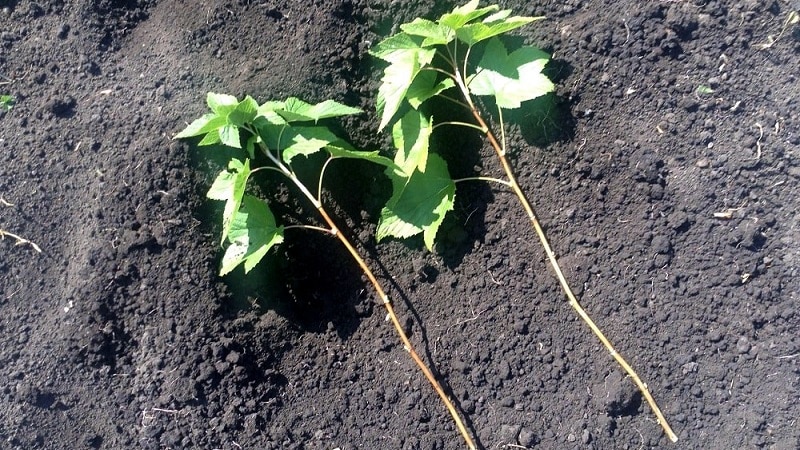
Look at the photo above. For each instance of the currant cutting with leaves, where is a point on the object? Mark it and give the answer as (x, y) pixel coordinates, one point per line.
(432, 59)
(283, 131)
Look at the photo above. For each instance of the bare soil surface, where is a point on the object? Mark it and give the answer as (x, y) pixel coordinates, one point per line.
(675, 212)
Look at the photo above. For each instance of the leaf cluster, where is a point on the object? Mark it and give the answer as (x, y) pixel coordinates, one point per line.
(282, 131)
(430, 59)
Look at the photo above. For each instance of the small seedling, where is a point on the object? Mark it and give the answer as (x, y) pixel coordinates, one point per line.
(7, 102)
(279, 133)
(430, 59)
(704, 90)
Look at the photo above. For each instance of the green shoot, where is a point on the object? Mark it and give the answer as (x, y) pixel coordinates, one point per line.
(7, 102)
(282, 131)
(704, 90)
(432, 59)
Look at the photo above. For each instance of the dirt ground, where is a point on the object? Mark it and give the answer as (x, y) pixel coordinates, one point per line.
(665, 171)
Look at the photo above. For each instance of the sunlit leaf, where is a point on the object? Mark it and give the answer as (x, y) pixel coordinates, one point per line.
(229, 187)
(206, 123)
(295, 109)
(229, 135)
(511, 78)
(211, 138)
(465, 14)
(221, 104)
(252, 233)
(411, 135)
(306, 141)
(418, 203)
(476, 32)
(434, 33)
(406, 58)
(244, 112)
(395, 47)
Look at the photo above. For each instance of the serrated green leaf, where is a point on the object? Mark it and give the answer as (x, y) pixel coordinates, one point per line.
(425, 87)
(269, 108)
(211, 138)
(406, 58)
(229, 187)
(244, 112)
(511, 78)
(306, 141)
(434, 33)
(465, 14)
(229, 135)
(411, 135)
(480, 31)
(221, 104)
(253, 232)
(395, 47)
(374, 156)
(499, 15)
(397, 78)
(295, 110)
(207, 122)
(418, 203)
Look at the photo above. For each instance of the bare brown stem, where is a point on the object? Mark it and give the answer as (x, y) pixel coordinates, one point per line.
(573, 301)
(399, 328)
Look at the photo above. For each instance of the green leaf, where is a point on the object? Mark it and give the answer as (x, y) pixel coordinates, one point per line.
(229, 135)
(267, 110)
(434, 33)
(465, 14)
(374, 156)
(511, 78)
(411, 135)
(253, 232)
(406, 58)
(205, 124)
(211, 138)
(229, 187)
(476, 32)
(424, 87)
(295, 110)
(418, 203)
(7, 102)
(244, 112)
(395, 47)
(221, 104)
(306, 141)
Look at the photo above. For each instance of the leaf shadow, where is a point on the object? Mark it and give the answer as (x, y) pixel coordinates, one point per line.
(424, 347)
(309, 278)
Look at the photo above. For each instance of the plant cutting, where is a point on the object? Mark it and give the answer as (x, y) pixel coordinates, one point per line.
(457, 58)
(276, 134)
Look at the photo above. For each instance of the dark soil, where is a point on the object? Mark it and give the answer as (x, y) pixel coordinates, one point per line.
(120, 334)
